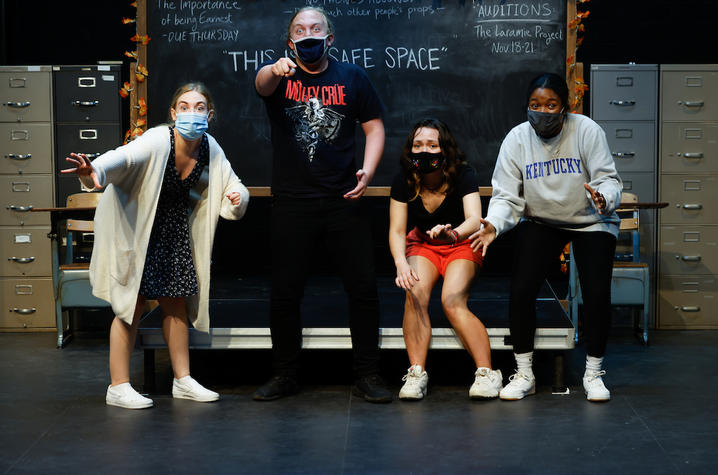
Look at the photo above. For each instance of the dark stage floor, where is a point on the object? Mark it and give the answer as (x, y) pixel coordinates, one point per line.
(53, 418)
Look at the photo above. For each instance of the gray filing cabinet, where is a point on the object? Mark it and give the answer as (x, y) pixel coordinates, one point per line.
(87, 117)
(688, 228)
(624, 103)
(26, 181)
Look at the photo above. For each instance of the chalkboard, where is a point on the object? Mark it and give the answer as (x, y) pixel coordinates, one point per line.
(465, 62)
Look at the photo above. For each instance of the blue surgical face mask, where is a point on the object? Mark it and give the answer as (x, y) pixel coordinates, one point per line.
(191, 125)
(311, 49)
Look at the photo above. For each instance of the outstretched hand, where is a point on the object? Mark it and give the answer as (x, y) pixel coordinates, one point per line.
(482, 238)
(362, 183)
(83, 168)
(598, 199)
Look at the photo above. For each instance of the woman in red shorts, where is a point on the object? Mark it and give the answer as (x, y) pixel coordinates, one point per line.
(436, 195)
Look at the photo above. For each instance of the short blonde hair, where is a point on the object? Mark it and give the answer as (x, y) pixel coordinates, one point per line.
(320, 10)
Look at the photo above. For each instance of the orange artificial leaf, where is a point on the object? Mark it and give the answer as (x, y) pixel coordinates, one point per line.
(570, 60)
(571, 25)
(125, 20)
(141, 73)
(127, 137)
(579, 41)
(131, 54)
(141, 123)
(137, 132)
(142, 107)
(134, 4)
(144, 39)
(125, 90)
(581, 27)
(583, 14)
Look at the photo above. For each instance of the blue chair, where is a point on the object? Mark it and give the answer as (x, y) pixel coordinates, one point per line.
(71, 279)
(630, 283)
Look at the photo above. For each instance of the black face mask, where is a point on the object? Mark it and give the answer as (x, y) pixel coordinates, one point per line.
(545, 124)
(425, 162)
(311, 49)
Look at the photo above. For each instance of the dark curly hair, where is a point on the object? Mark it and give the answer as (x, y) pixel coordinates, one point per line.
(452, 153)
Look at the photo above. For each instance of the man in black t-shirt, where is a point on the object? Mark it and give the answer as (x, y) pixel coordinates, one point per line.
(313, 104)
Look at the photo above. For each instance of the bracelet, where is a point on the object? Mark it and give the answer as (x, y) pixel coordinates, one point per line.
(456, 236)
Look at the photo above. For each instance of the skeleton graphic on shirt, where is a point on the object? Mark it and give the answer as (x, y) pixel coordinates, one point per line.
(314, 123)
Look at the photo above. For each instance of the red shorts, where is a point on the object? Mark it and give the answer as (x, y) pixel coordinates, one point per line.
(439, 253)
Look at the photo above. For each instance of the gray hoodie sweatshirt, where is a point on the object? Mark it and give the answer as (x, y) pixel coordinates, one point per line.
(543, 180)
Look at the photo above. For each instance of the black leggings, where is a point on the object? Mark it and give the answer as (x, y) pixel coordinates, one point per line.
(537, 250)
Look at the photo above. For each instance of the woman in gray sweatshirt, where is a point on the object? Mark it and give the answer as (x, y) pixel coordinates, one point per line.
(556, 182)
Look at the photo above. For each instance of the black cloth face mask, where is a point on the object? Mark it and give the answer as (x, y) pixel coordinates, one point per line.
(425, 162)
(311, 49)
(545, 124)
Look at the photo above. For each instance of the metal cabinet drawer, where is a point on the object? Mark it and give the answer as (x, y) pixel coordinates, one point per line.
(688, 302)
(26, 148)
(692, 199)
(87, 96)
(91, 139)
(689, 95)
(27, 303)
(690, 147)
(25, 97)
(632, 144)
(624, 95)
(689, 250)
(26, 252)
(66, 185)
(641, 184)
(20, 193)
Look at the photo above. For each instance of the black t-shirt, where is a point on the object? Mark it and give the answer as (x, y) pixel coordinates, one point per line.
(450, 211)
(313, 119)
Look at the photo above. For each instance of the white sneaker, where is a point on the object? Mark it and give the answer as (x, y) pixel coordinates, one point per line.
(124, 395)
(414, 388)
(487, 384)
(519, 386)
(595, 389)
(188, 388)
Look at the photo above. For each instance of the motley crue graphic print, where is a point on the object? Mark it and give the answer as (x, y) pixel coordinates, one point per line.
(314, 126)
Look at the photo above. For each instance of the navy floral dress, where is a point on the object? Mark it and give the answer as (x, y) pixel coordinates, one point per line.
(169, 269)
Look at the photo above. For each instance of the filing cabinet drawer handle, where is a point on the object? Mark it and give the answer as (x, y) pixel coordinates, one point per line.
(13, 156)
(24, 311)
(88, 134)
(623, 154)
(18, 105)
(693, 103)
(91, 156)
(22, 260)
(20, 135)
(688, 309)
(22, 209)
(689, 258)
(85, 103)
(693, 206)
(622, 103)
(693, 155)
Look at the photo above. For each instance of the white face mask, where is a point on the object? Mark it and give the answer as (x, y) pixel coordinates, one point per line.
(191, 125)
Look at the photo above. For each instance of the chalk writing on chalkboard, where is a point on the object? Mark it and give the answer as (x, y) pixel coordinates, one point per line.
(465, 62)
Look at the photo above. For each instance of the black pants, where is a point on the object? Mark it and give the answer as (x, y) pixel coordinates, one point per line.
(297, 225)
(537, 249)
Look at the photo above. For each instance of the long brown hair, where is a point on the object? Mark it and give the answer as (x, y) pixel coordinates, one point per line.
(192, 86)
(452, 154)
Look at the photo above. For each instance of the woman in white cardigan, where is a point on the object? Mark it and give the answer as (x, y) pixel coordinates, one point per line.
(154, 228)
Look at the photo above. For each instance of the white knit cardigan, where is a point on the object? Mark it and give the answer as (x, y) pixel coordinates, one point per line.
(131, 176)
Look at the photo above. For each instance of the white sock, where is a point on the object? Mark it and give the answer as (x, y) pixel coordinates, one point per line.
(593, 364)
(524, 363)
